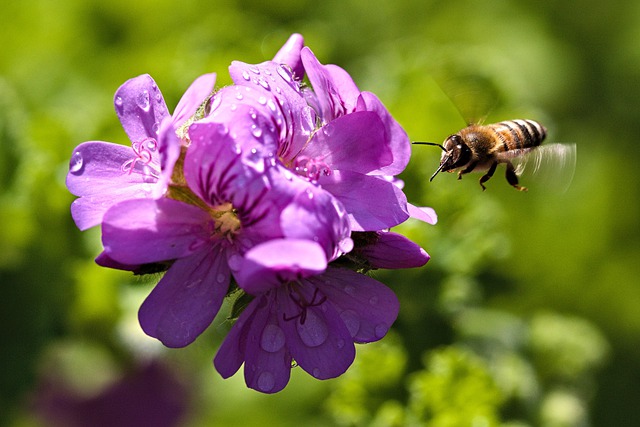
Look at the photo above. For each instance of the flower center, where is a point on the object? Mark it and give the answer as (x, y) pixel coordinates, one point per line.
(226, 219)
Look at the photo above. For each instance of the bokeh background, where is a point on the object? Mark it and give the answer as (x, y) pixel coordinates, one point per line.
(528, 313)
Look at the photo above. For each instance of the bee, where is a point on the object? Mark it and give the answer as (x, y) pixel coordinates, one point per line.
(480, 148)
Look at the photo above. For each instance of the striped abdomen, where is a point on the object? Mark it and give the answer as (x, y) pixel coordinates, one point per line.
(518, 134)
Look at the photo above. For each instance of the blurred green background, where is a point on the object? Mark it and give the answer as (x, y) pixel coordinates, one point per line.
(528, 313)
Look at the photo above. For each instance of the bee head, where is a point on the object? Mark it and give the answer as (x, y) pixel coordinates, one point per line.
(455, 154)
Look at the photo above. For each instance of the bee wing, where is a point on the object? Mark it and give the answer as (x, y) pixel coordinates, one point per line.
(546, 166)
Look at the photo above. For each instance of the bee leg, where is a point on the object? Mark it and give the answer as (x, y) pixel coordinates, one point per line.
(468, 169)
(488, 175)
(512, 178)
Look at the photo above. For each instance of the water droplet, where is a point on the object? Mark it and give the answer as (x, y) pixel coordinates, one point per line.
(119, 101)
(265, 84)
(158, 97)
(246, 75)
(254, 69)
(77, 163)
(381, 330)
(272, 105)
(221, 278)
(256, 131)
(346, 245)
(272, 339)
(309, 194)
(351, 321)
(327, 129)
(314, 331)
(239, 96)
(234, 261)
(350, 290)
(340, 344)
(155, 128)
(266, 382)
(316, 372)
(215, 103)
(262, 100)
(285, 72)
(143, 100)
(373, 300)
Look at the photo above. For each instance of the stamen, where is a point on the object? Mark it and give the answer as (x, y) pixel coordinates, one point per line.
(143, 151)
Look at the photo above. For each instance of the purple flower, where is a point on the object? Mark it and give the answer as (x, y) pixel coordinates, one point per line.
(302, 314)
(103, 174)
(356, 149)
(226, 207)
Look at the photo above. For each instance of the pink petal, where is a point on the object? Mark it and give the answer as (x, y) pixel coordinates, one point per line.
(97, 174)
(140, 107)
(186, 300)
(316, 336)
(425, 214)
(145, 231)
(289, 54)
(269, 265)
(372, 202)
(193, 98)
(366, 306)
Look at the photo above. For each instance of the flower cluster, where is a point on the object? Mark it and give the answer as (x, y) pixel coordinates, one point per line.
(274, 191)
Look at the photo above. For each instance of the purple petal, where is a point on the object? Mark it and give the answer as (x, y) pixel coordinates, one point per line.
(280, 99)
(354, 142)
(316, 336)
(425, 214)
(196, 94)
(367, 307)
(103, 260)
(311, 212)
(392, 250)
(169, 146)
(145, 231)
(184, 303)
(335, 90)
(267, 365)
(269, 265)
(231, 353)
(289, 54)
(372, 202)
(395, 136)
(99, 174)
(140, 107)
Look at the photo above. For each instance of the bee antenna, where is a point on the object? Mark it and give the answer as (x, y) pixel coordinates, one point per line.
(430, 143)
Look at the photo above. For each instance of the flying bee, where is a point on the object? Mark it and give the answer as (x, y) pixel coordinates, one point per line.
(481, 148)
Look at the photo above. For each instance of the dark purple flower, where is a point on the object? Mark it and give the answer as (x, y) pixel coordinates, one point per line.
(103, 174)
(227, 206)
(302, 314)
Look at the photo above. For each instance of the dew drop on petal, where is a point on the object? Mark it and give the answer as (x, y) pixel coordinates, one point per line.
(266, 382)
(350, 290)
(155, 128)
(234, 261)
(346, 245)
(239, 96)
(273, 338)
(221, 278)
(262, 100)
(119, 101)
(245, 75)
(256, 131)
(254, 69)
(373, 300)
(262, 82)
(351, 321)
(316, 372)
(314, 331)
(143, 100)
(381, 330)
(285, 72)
(76, 164)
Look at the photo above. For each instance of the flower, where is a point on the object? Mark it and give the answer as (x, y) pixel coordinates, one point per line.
(304, 315)
(357, 146)
(204, 228)
(103, 174)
